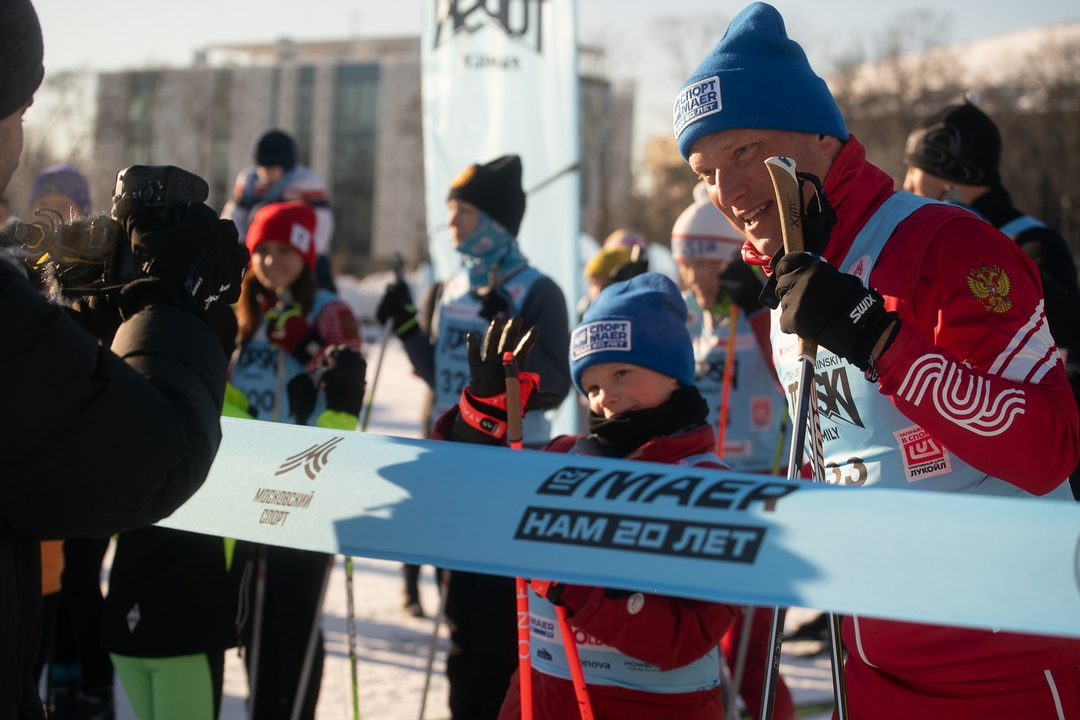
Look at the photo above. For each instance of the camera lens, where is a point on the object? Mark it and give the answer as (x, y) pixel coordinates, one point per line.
(145, 193)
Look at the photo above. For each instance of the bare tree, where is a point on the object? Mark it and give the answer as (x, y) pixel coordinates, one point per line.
(686, 40)
(60, 129)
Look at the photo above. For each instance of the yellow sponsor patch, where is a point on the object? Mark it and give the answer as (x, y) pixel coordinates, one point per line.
(990, 285)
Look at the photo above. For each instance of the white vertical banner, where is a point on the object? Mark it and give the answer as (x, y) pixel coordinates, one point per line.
(501, 77)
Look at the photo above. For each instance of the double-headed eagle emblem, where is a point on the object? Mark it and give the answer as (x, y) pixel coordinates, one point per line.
(991, 286)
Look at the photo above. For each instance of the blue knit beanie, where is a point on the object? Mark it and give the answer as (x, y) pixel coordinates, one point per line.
(755, 77)
(642, 322)
(62, 179)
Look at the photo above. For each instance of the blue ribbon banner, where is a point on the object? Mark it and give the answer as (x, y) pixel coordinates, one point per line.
(1010, 564)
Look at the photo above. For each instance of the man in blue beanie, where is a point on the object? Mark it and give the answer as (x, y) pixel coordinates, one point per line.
(913, 303)
(643, 655)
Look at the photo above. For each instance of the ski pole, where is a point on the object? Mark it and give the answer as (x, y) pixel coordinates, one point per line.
(806, 425)
(284, 301)
(350, 626)
(387, 329)
(729, 375)
(780, 442)
(444, 584)
(256, 630)
(730, 712)
(513, 437)
(309, 653)
(574, 661)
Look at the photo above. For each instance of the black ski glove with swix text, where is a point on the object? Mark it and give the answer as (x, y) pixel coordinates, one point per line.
(343, 379)
(739, 281)
(835, 310)
(483, 409)
(397, 304)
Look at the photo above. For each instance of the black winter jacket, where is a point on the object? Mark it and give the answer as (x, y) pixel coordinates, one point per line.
(94, 442)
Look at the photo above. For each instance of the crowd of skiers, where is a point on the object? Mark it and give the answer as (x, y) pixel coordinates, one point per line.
(127, 394)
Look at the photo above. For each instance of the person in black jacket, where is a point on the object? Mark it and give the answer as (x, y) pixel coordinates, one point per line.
(486, 204)
(953, 155)
(98, 440)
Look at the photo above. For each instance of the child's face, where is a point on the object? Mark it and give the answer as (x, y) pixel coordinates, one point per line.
(616, 388)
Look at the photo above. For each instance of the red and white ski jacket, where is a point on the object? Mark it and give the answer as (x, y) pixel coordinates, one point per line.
(666, 632)
(971, 311)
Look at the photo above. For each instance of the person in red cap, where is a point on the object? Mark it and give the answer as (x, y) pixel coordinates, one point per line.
(298, 362)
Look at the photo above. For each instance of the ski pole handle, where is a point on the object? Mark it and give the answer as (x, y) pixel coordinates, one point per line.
(789, 203)
(513, 402)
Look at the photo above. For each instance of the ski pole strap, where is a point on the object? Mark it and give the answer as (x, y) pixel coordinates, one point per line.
(488, 415)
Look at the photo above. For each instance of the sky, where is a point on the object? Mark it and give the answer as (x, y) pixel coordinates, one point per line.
(122, 34)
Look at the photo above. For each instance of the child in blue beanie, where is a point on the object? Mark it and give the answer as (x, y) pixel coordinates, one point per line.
(643, 655)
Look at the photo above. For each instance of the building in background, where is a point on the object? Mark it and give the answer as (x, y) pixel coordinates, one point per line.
(354, 108)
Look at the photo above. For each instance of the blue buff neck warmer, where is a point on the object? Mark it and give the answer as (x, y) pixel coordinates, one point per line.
(489, 243)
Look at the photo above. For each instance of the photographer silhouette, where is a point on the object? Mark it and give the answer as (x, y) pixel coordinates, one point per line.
(96, 439)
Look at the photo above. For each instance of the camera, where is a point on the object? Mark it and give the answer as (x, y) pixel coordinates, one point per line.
(92, 256)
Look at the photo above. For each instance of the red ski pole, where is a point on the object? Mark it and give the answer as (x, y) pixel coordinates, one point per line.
(513, 436)
(729, 376)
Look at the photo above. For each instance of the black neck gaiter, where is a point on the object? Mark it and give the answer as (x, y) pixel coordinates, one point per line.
(621, 435)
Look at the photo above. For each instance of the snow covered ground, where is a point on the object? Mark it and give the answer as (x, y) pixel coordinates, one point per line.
(392, 647)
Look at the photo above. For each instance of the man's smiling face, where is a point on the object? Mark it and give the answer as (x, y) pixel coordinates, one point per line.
(732, 164)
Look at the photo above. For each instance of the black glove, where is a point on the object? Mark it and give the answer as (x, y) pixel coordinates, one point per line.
(302, 397)
(495, 302)
(198, 261)
(741, 283)
(98, 315)
(343, 379)
(835, 310)
(483, 407)
(397, 304)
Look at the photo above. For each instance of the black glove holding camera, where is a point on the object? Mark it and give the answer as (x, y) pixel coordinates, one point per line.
(397, 304)
(97, 316)
(483, 408)
(343, 379)
(195, 263)
(833, 309)
(739, 281)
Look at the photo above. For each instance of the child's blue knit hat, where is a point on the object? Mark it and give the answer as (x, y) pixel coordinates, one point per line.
(641, 321)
